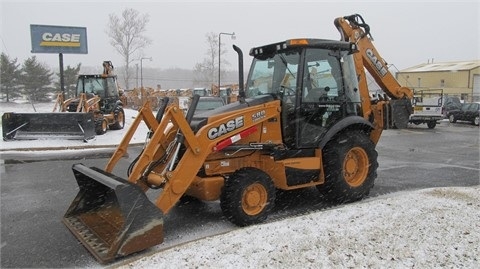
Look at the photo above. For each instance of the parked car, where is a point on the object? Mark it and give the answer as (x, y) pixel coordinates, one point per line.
(468, 112)
(207, 103)
(451, 103)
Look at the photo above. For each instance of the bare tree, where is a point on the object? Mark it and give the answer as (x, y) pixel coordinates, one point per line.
(127, 36)
(207, 70)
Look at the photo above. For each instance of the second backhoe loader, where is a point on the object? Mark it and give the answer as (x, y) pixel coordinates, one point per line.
(302, 120)
(95, 108)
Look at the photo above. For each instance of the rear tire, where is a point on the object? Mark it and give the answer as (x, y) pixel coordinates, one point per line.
(247, 197)
(350, 165)
(431, 124)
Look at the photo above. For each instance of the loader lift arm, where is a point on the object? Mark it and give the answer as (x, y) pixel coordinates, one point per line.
(198, 146)
(170, 160)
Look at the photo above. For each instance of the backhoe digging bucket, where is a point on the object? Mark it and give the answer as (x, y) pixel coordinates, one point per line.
(111, 216)
(65, 125)
(401, 110)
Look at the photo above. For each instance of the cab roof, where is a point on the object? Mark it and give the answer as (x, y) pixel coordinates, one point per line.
(303, 43)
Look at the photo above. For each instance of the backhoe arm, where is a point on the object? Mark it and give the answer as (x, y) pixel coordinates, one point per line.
(396, 109)
(354, 29)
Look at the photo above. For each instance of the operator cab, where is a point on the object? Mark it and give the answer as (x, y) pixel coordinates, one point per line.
(104, 87)
(316, 81)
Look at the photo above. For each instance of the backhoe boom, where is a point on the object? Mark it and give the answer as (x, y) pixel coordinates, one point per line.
(394, 112)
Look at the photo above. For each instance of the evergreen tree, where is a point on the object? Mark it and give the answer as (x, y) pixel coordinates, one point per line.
(36, 80)
(70, 75)
(9, 76)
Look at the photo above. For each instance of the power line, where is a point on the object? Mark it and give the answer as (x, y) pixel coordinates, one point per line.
(5, 46)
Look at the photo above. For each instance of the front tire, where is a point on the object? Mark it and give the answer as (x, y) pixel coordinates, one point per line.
(119, 120)
(247, 197)
(101, 127)
(350, 165)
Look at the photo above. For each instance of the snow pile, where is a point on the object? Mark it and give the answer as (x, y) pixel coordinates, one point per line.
(421, 229)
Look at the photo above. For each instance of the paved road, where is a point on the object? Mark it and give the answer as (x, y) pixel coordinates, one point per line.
(35, 195)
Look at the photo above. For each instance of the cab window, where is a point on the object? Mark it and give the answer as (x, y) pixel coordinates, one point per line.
(275, 75)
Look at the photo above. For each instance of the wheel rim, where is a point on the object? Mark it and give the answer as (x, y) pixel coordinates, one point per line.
(355, 167)
(104, 125)
(254, 199)
(476, 121)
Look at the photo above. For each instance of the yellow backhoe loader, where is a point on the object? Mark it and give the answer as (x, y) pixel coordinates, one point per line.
(95, 108)
(304, 119)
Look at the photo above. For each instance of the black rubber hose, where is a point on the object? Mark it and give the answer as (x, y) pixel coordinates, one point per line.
(193, 107)
(161, 109)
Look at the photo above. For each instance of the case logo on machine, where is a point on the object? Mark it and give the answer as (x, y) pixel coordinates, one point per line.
(225, 128)
(376, 62)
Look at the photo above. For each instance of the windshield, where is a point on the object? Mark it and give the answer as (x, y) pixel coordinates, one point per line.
(269, 76)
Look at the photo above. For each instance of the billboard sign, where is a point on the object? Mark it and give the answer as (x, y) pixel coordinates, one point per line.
(58, 39)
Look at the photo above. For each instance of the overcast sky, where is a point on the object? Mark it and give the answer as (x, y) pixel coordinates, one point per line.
(406, 33)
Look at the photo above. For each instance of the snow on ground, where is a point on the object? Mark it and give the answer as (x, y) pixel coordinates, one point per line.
(431, 228)
(428, 228)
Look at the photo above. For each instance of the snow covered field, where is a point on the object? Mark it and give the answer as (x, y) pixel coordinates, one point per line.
(429, 228)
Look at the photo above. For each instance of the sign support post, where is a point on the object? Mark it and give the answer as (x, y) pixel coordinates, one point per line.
(62, 80)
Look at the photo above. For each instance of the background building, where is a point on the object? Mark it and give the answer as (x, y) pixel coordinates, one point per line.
(460, 79)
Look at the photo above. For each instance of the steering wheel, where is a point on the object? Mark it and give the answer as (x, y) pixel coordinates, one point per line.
(287, 90)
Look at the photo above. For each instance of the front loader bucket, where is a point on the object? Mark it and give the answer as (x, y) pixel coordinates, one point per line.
(65, 125)
(111, 216)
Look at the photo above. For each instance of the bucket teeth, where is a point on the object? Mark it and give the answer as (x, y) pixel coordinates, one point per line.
(88, 237)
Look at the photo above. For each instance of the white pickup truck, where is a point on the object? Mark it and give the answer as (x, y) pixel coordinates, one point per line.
(427, 107)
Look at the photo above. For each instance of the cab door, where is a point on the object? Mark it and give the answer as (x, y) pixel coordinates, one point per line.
(319, 104)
